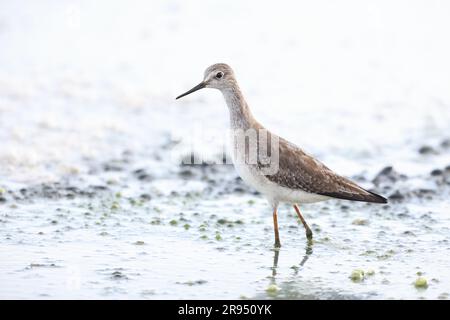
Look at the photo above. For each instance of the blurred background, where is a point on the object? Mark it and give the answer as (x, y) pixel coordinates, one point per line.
(87, 101)
(87, 79)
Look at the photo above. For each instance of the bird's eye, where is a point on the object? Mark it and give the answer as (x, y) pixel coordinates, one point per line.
(219, 75)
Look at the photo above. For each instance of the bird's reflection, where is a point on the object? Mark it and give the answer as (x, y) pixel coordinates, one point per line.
(273, 290)
(307, 254)
(275, 262)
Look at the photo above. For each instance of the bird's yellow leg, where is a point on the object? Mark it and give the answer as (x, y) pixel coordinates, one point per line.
(275, 228)
(309, 233)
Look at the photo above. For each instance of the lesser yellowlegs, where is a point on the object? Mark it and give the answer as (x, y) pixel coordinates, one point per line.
(291, 175)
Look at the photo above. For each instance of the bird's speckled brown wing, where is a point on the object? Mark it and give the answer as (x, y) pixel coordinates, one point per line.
(298, 170)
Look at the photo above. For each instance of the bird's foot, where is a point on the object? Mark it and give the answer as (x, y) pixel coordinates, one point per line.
(309, 234)
(277, 244)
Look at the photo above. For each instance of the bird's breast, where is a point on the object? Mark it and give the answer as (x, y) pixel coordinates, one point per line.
(247, 168)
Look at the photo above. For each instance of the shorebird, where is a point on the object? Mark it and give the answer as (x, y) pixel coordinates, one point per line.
(299, 177)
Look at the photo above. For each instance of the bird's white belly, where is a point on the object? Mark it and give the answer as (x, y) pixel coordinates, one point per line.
(274, 192)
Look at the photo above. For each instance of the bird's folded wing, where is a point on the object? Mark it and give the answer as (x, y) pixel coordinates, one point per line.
(298, 170)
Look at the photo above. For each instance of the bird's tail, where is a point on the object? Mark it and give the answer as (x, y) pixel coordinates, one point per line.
(363, 195)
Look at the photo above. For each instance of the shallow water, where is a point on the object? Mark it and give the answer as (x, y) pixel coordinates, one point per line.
(95, 204)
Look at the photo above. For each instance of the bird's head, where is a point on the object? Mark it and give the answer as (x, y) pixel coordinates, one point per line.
(218, 76)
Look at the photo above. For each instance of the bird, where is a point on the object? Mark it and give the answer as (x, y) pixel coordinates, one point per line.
(294, 176)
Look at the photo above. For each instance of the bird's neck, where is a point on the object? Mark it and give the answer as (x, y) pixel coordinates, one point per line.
(240, 114)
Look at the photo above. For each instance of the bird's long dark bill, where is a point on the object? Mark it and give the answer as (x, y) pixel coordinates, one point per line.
(197, 87)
